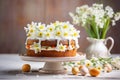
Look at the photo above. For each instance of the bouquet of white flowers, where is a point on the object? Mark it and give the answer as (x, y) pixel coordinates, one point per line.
(95, 19)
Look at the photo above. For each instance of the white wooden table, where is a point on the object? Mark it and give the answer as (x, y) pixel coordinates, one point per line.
(10, 69)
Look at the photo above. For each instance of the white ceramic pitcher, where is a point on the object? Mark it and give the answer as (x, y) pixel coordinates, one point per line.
(97, 47)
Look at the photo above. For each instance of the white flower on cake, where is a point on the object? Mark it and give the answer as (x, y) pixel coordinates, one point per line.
(31, 29)
(28, 34)
(76, 34)
(57, 23)
(65, 26)
(36, 47)
(50, 28)
(58, 33)
(40, 34)
(47, 35)
(61, 47)
(72, 29)
(31, 26)
(41, 26)
(57, 30)
(65, 34)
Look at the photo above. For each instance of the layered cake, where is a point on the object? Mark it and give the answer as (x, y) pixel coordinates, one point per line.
(59, 39)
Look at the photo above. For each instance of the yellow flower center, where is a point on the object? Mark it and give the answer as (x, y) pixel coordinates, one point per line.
(28, 34)
(65, 34)
(41, 27)
(58, 33)
(51, 29)
(75, 34)
(40, 34)
(99, 68)
(78, 63)
(47, 34)
(55, 24)
(88, 64)
(31, 26)
(65, 26)
(36, 45)
(31, 30)
(61, 48)
(37, 48)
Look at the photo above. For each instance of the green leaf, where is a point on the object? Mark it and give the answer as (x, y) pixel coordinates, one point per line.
(95, 28)
(105, 28)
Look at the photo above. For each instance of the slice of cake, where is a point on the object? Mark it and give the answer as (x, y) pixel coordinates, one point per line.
(59, 39)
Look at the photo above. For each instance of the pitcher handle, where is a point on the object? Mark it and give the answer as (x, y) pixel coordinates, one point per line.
(112, 44)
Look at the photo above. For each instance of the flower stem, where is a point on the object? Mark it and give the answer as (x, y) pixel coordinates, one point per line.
(95, 28)
(88, 32)
(105, 29)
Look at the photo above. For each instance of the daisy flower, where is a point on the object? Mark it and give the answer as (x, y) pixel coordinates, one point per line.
(40, 34)
(58, 33)
(41, 26)
(35, 47)
(88, 63)
(47, 35)
(61, 47)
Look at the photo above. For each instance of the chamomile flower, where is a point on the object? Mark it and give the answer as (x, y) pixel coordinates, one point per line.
(41, 26)
(61, 47)
(28, 34)
(57, 23)
(40, 34)
(50, 28)
(58, 33)
(88, 63)
(65, 26)
(76, 34)
(65, 34)
(31, 27)
(47, 35)
(31, 30)
(36, 47)
(99, 67)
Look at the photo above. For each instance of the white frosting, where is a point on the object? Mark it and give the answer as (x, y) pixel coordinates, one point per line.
(57, 47)
(40, 45)
(76, 43)
(69, 47)
(55, 31)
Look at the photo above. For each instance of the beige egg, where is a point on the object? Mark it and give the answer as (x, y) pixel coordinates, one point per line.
(75, 70)
(26, 68)
(94, 72)
(83, 70)
(107, 67)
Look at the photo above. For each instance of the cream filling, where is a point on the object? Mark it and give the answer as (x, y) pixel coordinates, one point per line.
(47, 48)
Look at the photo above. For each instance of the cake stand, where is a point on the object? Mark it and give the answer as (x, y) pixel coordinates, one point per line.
(52, 65)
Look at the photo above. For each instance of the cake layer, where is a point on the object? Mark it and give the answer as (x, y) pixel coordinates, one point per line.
(53, 53)
(52, 43)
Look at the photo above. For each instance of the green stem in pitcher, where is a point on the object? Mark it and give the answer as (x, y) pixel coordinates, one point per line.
(105, 29)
